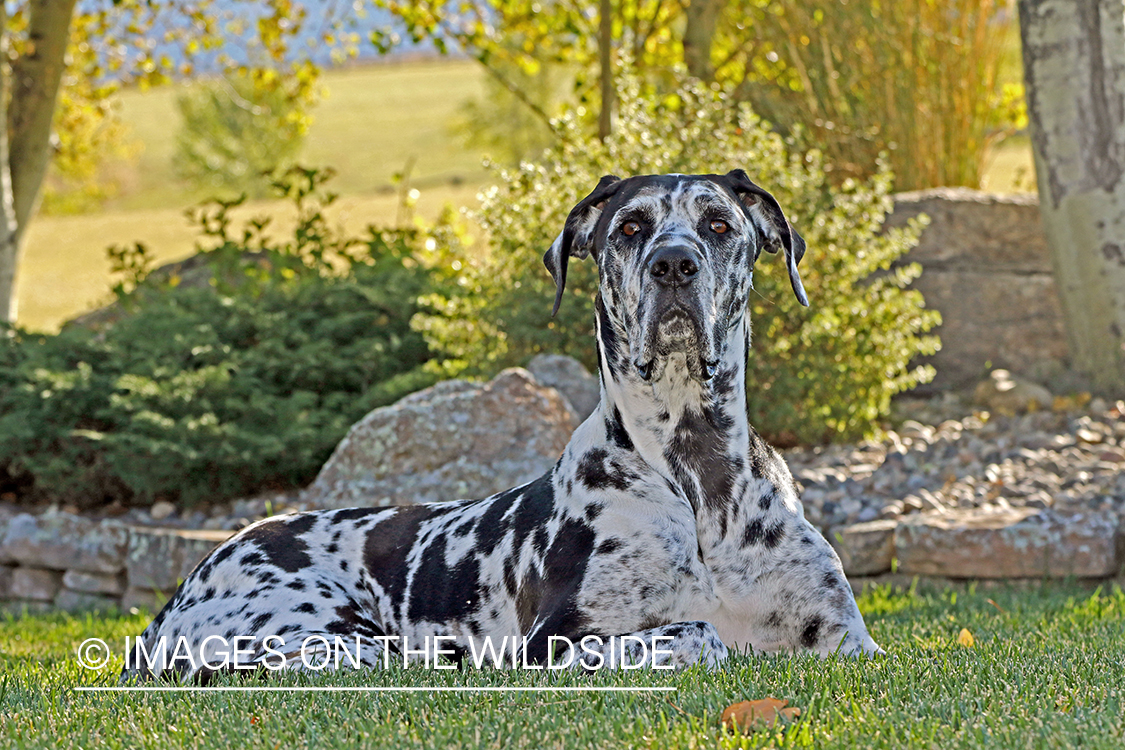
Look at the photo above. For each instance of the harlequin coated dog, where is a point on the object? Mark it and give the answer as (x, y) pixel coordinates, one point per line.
(667, 515)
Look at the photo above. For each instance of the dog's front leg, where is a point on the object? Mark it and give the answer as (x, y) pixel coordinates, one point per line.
(673, 646)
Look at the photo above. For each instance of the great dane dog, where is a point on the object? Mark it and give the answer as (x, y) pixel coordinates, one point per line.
(667, 515)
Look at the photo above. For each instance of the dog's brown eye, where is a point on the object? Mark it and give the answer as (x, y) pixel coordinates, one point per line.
(630, 228)
(719, 226)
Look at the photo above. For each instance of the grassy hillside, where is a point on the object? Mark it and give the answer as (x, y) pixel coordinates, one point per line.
(372, 121)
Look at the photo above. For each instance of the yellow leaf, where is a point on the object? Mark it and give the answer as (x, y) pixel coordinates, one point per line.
(750, 715)
(965, 638)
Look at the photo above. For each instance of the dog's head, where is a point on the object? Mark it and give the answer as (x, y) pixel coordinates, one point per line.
(675, 254)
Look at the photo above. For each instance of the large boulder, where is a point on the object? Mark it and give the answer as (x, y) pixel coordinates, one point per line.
(454, 440)
(568, 376)
(1013, 543)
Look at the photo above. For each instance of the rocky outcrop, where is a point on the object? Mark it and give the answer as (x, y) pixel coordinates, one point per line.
(454, 440)
(571, 379)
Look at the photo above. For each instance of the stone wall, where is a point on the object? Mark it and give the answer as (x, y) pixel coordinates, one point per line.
(987, 269)
(66, 561)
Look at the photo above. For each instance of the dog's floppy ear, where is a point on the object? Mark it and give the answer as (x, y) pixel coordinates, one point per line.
(577, 236)
(764, 211)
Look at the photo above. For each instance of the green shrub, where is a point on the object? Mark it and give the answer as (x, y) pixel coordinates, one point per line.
(823, 373)
(206, 384)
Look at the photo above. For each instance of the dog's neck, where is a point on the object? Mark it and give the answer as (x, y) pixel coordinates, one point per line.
(694, 432)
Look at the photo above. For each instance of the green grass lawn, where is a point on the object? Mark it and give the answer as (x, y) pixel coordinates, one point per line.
(1047, 671)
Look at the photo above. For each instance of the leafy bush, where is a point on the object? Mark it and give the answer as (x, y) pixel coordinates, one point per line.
(823, 373)
(237, 130)
(209, 383)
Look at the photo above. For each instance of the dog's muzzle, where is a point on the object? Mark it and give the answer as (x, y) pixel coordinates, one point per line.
(676, 323)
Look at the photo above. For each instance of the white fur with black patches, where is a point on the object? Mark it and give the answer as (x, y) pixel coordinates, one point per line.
(666, 515)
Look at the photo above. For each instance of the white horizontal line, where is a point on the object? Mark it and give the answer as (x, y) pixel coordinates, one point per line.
(393, 689)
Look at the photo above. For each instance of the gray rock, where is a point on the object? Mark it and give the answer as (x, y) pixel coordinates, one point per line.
(984, 253)
(453, 440)
(36, 584)
(64, 541)
(94, 583)
(1013, 543)
(865, 548)
(160, 558)
(144, 599)
(81, 601)
(570, 378)
(161, 509)
(1005, 394)
(5, 582)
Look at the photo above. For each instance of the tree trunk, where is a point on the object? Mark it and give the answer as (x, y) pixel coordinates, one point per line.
(1074, 68)
(35, 79)
(605, 58)
(702, 16)
(8, 246)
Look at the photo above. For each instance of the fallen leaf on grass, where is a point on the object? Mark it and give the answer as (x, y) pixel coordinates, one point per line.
(750, 715)
(965, 638)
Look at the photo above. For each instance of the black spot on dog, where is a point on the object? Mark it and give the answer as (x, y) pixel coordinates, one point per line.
(534, 509)
(753, 533)
(699, 444)
(766, 500)
(353, 514)
(494, 522)
(350, 621)
(616, 432)
(593, 510)
(609, 546)
(296, 584)
(610, 346)
(386, 547)
(215, 558)
(774, 534)
(564, 567)
(811, 632)
(597, 471)
(440, 593)
(281, 542)
(306, 607)
(260, 621)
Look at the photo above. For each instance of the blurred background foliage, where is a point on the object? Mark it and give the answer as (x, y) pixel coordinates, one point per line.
(830, 105)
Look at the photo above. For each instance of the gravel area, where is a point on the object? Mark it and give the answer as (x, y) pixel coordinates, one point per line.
(946, 455)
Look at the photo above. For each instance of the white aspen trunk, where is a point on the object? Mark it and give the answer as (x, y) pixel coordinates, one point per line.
(34, 87)
(1074, 68)
(9, 247)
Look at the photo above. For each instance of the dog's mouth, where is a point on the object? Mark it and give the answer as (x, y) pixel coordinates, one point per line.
(675, 330)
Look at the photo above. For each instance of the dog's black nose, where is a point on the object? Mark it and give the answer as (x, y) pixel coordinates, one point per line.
(674, 265)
